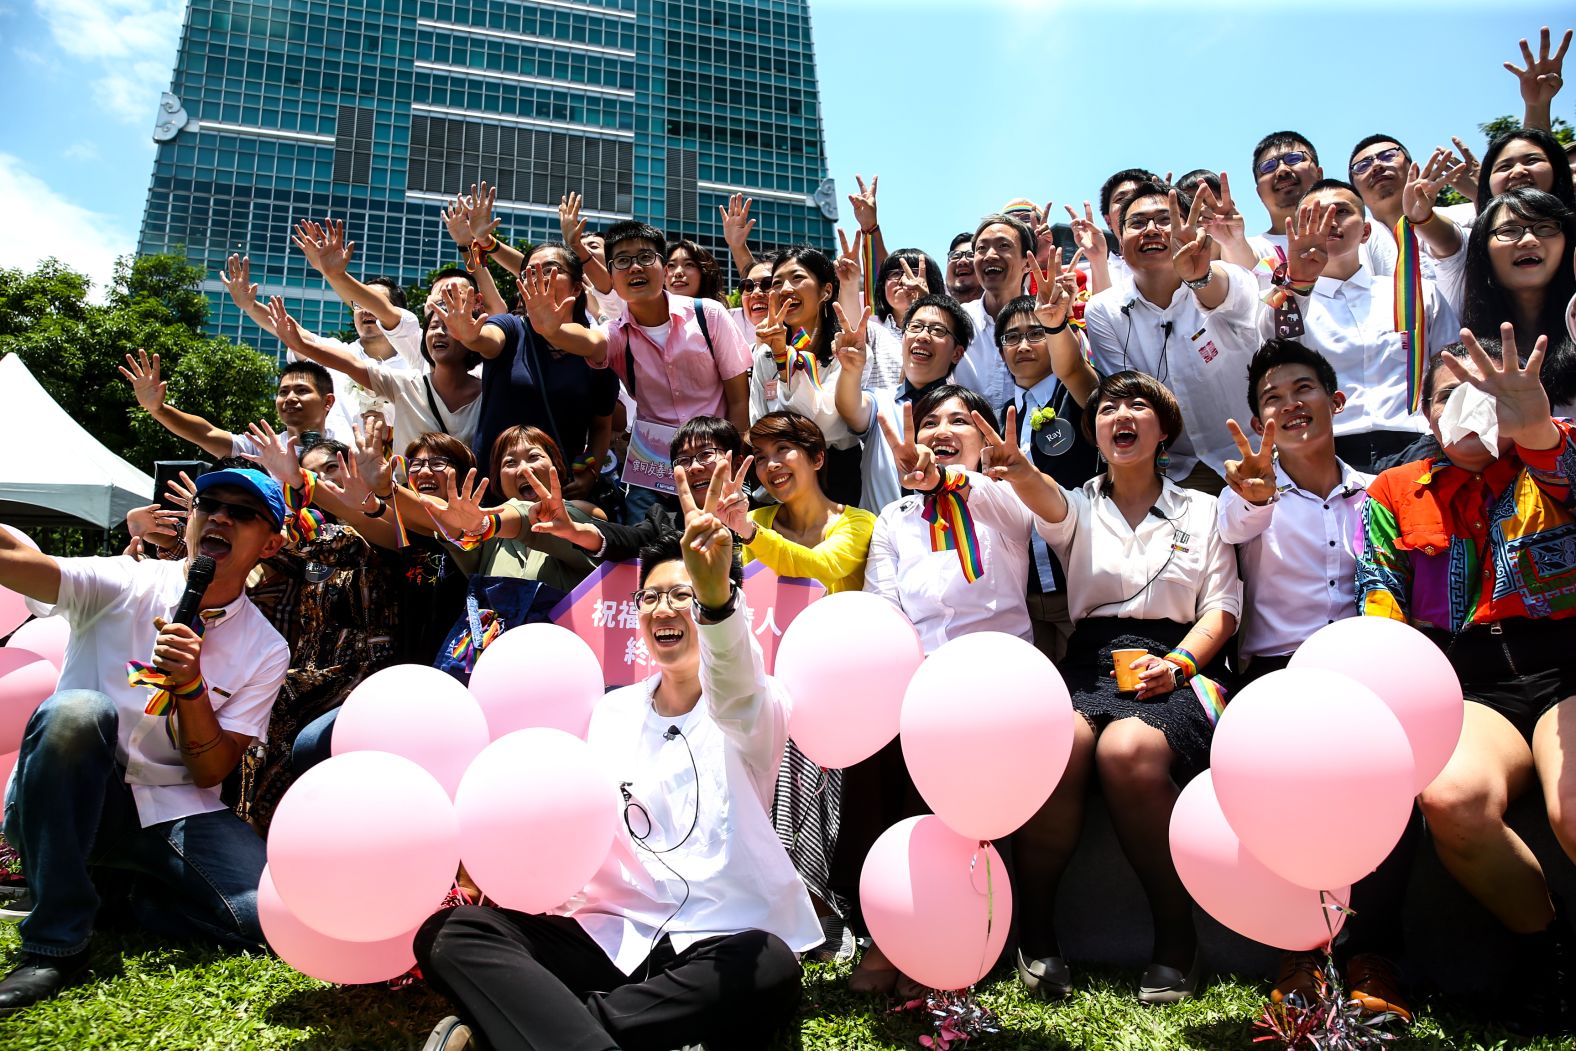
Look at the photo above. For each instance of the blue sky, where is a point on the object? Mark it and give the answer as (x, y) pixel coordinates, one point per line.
(959, 105)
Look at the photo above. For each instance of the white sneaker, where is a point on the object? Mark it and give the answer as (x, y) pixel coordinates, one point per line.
(451, 1034)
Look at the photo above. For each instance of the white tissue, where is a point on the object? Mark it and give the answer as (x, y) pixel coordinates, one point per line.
(1470, 410)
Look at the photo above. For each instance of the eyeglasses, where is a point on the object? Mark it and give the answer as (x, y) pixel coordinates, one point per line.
(1542, 230)
(645, 258)
(434, 464)
(240, 514)
(679, 598)
(958, 254)
(1140, 223)
(750, 285)
(1290, 160)
(551, 269)
(1033, 334)
(1383, 157)
(920, 328)
(701, 457)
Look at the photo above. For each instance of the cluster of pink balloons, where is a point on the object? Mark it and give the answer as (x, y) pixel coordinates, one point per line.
(1313, 770)
(30, 664)
(986, 725)
(427, 774)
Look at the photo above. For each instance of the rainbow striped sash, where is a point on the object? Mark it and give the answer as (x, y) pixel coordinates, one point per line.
(951, 524)
(1410, 311)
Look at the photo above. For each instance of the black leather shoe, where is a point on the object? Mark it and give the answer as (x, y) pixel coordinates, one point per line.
(39, 978)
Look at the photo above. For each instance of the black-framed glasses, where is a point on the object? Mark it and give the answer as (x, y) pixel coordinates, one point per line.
(237, 513)
(958, 254)
(680, 597)
(1382, 157)
(1291, 160)
(701, 457)
(1543, 229)
(429, 463)
(643, 258)
(1033, 334)
(935, 330)
(1140, 223)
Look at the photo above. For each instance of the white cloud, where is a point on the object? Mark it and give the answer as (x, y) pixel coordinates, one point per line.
(129, 45)
(81, 150)
(41, 223)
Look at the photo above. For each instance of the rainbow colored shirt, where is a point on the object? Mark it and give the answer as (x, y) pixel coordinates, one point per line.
(1445, 547)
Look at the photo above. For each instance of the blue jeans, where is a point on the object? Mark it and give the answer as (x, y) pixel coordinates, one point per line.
(314, 742)
(71, 811)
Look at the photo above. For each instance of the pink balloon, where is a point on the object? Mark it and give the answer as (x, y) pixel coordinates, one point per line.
(7, 764)
(324, 958)
(537, 675)
(1406, 671)
(537, 813)
(1233, 886)
(364, 846)
(1315, 775)
(846, 660)
(26, 681)
(418, 712)
(46, 636)
(987, 730)
(937, 904)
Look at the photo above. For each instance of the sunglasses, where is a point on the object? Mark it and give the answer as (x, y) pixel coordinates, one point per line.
(1291, 160)
(240, 514)
(749, 284)
(1383, 157)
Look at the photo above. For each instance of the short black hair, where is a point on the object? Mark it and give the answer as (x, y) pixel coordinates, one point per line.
(1277, 352)
(396, 290)
(1370, 140)
(1130, 383)
(935, 280)
(1187, 186)
(1491, 346)
(451, 271)
(1561, 186)
(703, 430)
(928, 402)
(1108, 187)
(962, 324)
(320, 378)
(1019, 227)
(1145, 189)
(1282, 138)
(632, 230)
(965, 238)
(338, 448)
(1013, 308)
(669, 547)
(1330, 184)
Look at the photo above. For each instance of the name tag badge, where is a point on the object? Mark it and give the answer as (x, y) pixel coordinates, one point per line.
(1054, 438)
(770, 389)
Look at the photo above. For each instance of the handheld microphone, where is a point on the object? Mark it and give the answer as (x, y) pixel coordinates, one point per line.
(197, 580)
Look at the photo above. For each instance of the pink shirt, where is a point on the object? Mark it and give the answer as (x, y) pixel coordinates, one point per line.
(683, 379)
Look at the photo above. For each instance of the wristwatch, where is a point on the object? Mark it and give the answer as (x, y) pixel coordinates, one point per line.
(716, 614)
(1200, 282)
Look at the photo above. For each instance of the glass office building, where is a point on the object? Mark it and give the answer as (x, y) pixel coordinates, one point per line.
(377, 111)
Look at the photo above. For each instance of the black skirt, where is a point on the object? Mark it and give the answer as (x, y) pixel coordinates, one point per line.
(1089, 673)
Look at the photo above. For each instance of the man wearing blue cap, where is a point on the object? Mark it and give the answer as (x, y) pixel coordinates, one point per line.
(121, 767)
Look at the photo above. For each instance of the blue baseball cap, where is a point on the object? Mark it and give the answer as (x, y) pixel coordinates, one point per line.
(257, 483)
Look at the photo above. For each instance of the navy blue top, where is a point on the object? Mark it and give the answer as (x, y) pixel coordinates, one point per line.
(531, 383)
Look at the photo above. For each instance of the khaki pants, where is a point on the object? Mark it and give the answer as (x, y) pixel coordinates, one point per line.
(1052, 626)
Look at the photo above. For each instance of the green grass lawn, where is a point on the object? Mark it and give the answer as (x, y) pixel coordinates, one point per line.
(141, 996)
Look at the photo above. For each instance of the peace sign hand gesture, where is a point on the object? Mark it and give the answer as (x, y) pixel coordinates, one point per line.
(1219, 215)
(1189, 244)
(733, 507)
(864, 203)
(1253, 476)
(850, 262)
(1004, 458)
(707, 543)
(916, 464)
(912, 286)
(1087, 234)
(547, 514)
(772, 331)
(1053, 292)
(849, 346)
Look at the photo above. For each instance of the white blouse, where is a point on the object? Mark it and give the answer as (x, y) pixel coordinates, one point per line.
(1174, 566)
(929, 586)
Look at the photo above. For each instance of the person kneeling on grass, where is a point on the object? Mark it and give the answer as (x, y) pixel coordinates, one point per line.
(689, 932)
(121, 767)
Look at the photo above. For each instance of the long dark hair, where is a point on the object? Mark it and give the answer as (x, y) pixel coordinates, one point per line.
(573, 268)
(705, 262)
(1551, 148)
(825, 273)
(935, 282)
(1486, 305)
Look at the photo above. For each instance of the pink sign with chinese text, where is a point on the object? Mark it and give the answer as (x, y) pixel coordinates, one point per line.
(601, 610)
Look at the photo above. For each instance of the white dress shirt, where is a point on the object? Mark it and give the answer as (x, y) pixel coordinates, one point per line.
(982, 369)
(1297, 557)
(110, 604)
(1352, 323)
(929, 586)
(769, 392)
(1174, 566)
(1202, 357)
(738, 875)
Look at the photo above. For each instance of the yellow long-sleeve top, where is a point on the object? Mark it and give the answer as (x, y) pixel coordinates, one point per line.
(838, 561)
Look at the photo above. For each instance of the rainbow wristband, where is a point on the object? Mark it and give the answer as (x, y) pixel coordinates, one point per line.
(490, 526)
(1185, 662)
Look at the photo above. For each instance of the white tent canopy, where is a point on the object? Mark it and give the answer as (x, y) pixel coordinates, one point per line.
(54, 472)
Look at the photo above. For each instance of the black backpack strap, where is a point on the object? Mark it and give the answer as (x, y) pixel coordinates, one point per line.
(705, 329)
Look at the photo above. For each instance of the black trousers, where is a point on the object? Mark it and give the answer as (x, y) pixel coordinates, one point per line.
(539, 983)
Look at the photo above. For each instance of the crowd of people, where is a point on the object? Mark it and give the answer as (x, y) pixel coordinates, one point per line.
(1003, 438)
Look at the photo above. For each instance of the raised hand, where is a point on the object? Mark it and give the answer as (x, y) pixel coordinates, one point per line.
(547, 514)
(546, 312)
(480, 213)
(849, 346)
(1253, 476)
(457, 220)
(912, 286)
(1541, 78)
(864, 203)
(1519, 395)
(1189, 244)
(277, 453)
(237, 280)
(1004, 457)
(1422, 186)
(182, 493)
(1087, 234)
(153, 520)
(1053, 297)
(916, 464)
(462, 512)
(325, 247)
(736, 221)
(1307, 241)
(351, 488)
(285, 326)
(850, 262)
(707, 543)
(570, 222)
(460, 314)
(1221, 219)
(142, 372)
(1464, 177)
(772, 331)
(369, 438)
(733, 507)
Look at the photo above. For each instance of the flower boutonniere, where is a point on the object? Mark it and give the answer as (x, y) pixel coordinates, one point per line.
(1040, 417)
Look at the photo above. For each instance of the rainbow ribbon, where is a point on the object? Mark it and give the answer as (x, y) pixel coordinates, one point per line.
(951, 524)
(306, 522)
(798, 358)
(465, 649)
(162, 702)
(1211, 697)
(1410, 310)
